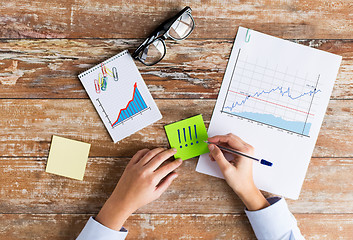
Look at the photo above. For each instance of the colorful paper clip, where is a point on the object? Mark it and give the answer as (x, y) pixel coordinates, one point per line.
(97, 87)
(104, 71)
(104, 83)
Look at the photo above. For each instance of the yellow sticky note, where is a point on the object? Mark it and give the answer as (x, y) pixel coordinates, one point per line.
(68, 157)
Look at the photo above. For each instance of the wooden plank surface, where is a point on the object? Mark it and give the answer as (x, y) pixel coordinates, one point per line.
(191, 68)
(328, 19)
(35, 191)
(171, 226)
(40, 95)
(27, 125)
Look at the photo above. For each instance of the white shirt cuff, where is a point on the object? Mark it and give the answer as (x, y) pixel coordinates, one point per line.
(273, 222)
(97, 231)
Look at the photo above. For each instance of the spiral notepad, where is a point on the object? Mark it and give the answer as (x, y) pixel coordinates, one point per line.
(120, 96)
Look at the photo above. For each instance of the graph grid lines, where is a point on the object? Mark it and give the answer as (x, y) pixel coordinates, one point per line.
(272, 95)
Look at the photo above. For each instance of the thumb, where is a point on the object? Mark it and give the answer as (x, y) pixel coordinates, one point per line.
(219, 157)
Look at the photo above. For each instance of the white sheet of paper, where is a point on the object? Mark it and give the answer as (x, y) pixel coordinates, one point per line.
(120, 96)
(274, 96)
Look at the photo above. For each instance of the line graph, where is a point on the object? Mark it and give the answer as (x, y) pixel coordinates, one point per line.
(135, 106)
(258, 94)
(272, 95)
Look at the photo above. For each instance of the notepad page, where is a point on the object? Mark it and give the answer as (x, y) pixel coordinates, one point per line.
(120, 96)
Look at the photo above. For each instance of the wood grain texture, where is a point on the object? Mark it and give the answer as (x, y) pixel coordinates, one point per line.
(191, 69)
(44, 45)
(27, 188)
(170, 226)
(136, 19)
(27, 125)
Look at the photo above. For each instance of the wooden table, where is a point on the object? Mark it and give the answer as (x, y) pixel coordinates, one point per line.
(44, 46)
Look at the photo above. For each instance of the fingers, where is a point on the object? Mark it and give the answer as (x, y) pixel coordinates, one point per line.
(232, 140)
(149, 155)
(219, 157)
(160, 158)
(136, 158)
(166, 183)
(228, 137)
(167, 169)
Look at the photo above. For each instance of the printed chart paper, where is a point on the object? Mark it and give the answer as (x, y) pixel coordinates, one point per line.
(274, 96)
(68, 157)
(120, 96)
(188, 137)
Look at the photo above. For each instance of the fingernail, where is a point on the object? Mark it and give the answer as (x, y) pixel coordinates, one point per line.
(179, 160)
(174, 150)
(211, 147)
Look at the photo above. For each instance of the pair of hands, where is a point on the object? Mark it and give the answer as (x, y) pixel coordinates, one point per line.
(145, 179)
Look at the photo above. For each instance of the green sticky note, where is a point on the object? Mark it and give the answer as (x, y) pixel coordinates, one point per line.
(68, 157)
(188, 137)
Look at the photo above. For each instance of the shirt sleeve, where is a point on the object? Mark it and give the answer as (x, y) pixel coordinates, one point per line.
(96, 231)
(274, 222)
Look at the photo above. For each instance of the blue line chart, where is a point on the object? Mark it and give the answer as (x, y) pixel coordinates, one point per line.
(279, 89)
(274, 120)
(286, 103)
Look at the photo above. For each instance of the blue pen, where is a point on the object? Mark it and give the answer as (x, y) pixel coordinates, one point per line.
(262, 161)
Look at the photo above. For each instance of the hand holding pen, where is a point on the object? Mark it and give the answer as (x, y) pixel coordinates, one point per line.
(238, 171)
(261, 161)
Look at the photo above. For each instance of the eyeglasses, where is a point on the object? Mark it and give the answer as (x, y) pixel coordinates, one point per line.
(153, 49)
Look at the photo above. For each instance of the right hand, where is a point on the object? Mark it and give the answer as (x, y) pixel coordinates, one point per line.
(238, 171)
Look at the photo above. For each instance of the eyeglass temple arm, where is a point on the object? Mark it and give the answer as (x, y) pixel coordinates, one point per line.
(168, 23)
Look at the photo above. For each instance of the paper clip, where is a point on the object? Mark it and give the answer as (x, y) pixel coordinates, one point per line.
(97, 87)
(104, 83)
(247, 37)
(104, 70)
(115, 74)
(109, 72)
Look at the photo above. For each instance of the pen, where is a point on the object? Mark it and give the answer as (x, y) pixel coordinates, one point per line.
(262, 161)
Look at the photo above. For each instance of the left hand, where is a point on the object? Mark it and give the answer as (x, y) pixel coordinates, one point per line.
(143, 181)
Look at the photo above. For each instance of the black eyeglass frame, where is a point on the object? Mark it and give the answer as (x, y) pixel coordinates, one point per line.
(162, 33)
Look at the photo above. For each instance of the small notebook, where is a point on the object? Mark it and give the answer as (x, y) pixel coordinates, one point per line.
(120, 96)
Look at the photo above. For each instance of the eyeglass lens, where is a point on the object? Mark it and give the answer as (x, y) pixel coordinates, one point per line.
(153, 52)
(181, 27)
(156, 50)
